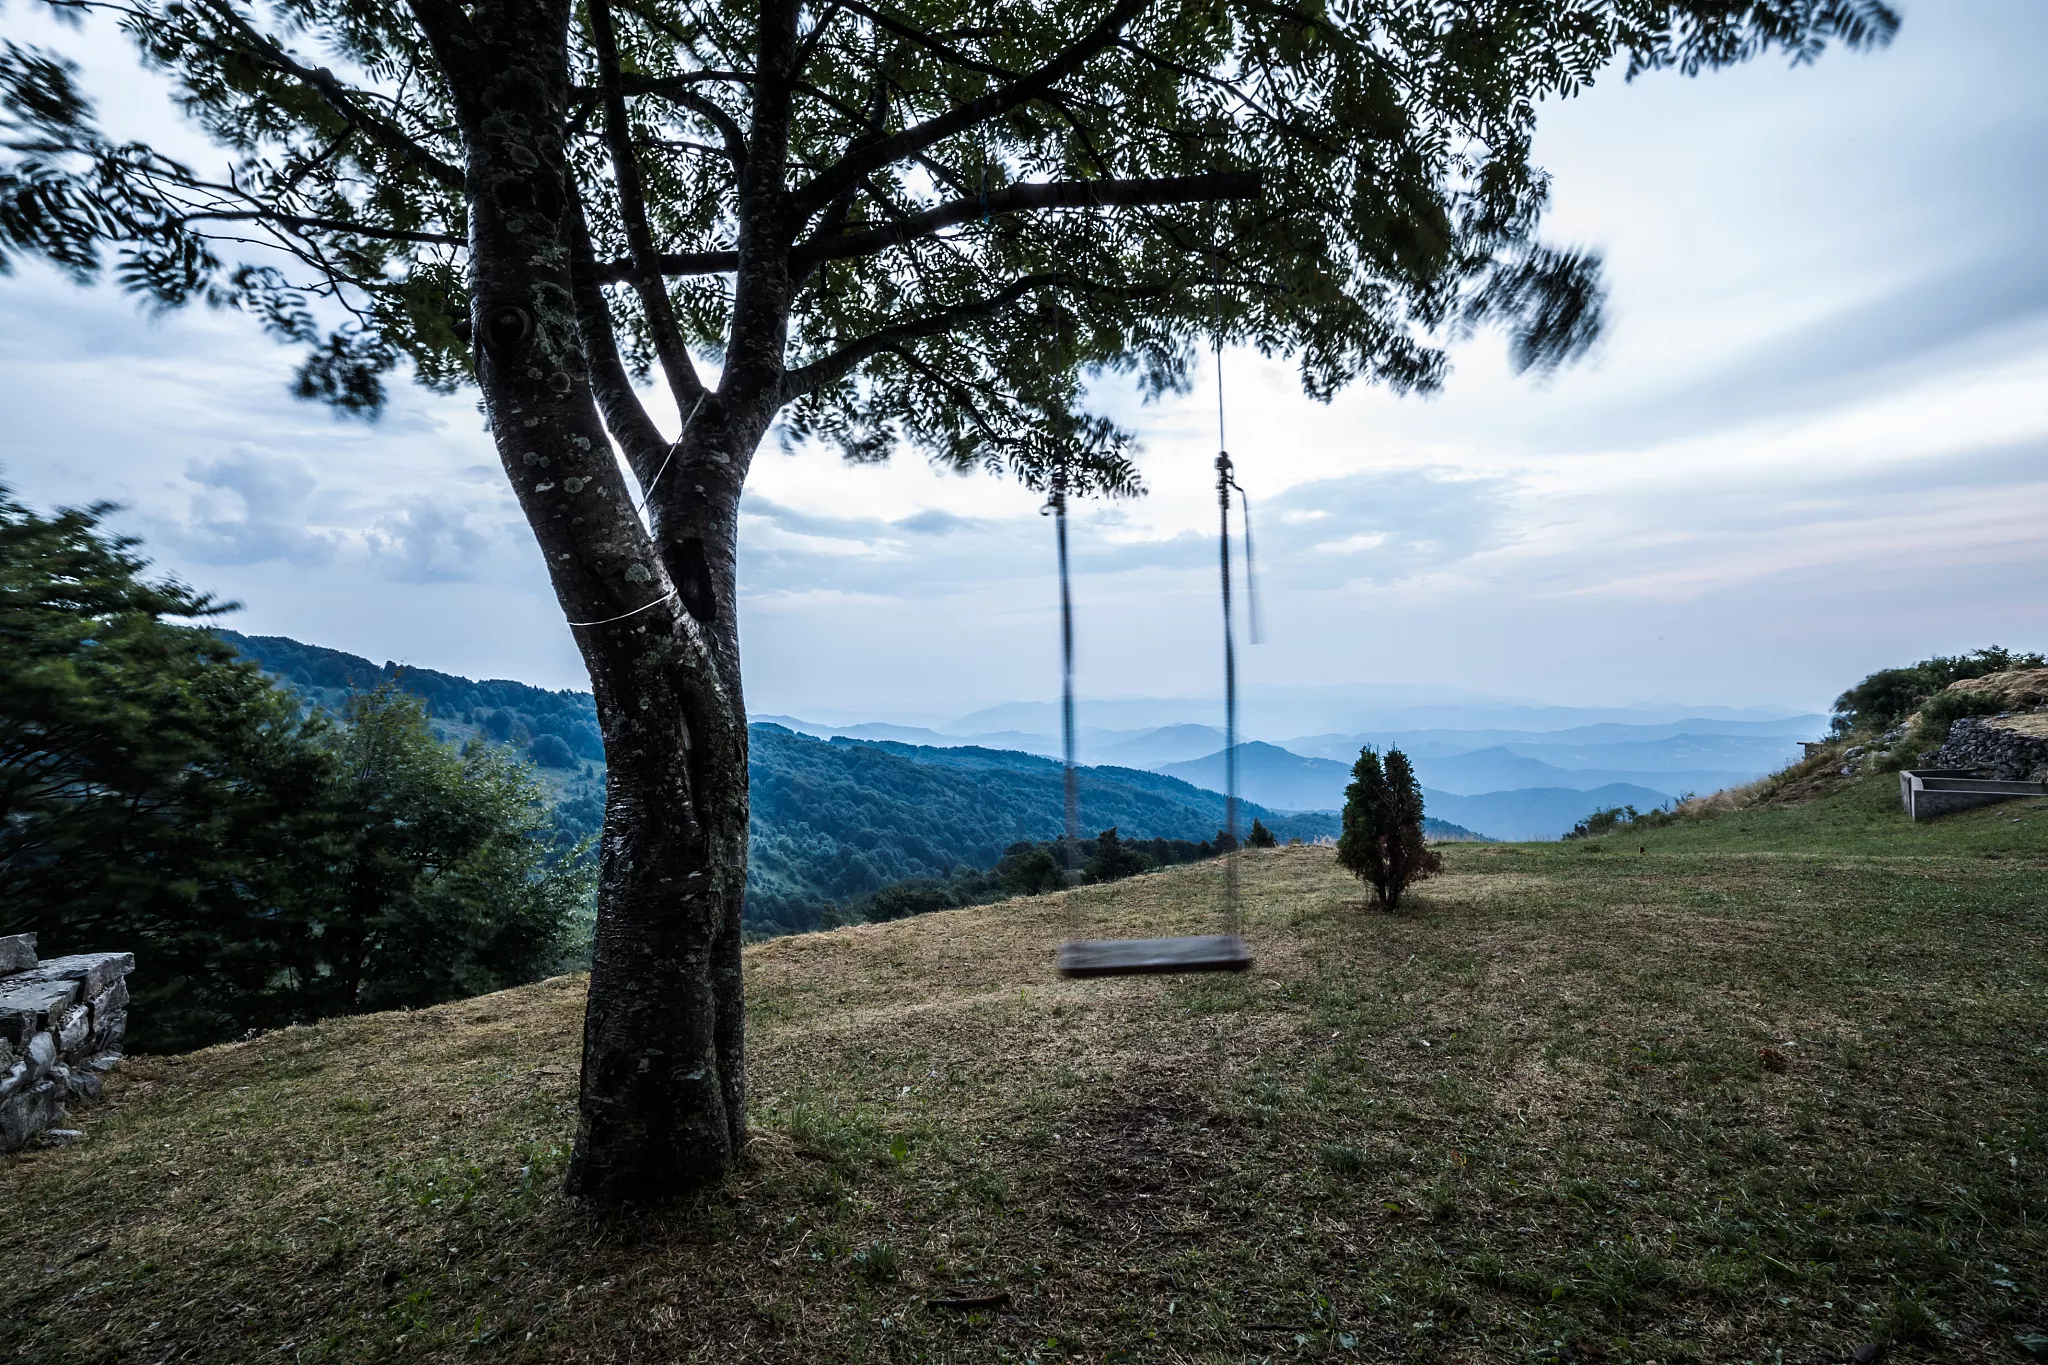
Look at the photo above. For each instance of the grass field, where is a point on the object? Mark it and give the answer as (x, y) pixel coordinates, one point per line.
(1764, 1088)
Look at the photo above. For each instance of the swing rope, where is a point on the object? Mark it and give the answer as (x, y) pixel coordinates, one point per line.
(1070, 777)
(1224, 483)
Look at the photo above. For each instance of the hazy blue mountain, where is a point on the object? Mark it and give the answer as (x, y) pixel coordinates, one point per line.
(1361, 708)
(1503, 769)
(1151, 748)
(1272, 776)
(1535, 813)
(1698, 742)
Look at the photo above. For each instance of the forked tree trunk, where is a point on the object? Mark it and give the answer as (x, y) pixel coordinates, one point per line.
(664, 1077)
(663, 1091)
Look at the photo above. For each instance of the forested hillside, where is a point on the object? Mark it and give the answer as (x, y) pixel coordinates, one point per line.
(509, 712)
(833, 821)
(837, 819)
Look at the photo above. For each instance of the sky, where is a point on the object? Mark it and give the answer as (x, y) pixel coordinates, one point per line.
(1812, 442)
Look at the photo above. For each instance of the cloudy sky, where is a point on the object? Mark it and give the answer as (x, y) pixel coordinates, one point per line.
(1813, 442)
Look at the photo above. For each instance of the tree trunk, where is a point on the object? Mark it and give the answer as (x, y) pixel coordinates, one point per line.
(663, 1091)
(664, 1076)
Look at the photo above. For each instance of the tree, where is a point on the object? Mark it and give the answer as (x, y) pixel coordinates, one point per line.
(1382, 843)
(551, 751)
(1114, 860)
(925, 221)
(444, 885)
(1029, 869)
(154, 793)
(266, 866)
(1260, 836)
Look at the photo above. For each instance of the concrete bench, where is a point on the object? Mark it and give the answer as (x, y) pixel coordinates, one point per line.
(1928, 792)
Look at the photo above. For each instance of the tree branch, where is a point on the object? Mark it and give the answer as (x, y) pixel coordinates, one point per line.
(912, 34)
(1026, 198)
(298, 221)
(646, 277)
(835, 180)
(386, 135)
(675, 89)
(625, 416)
(830, 369)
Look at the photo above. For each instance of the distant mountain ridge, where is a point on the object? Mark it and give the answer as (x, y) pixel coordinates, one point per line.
(832, 821)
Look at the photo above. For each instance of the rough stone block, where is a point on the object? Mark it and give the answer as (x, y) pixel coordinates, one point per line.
(28, 1113)
(71, 1029)
(42, 1053)
(27, 1003)
(93, 972)
(6, 1056)
(114, 997)
(14, 1078)
(109, 1031)
(17, 953)
(85, 1085)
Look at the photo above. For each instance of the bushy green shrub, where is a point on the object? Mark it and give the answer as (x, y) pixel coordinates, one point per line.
(1260, 837)
(1944, 709)
(1382, 842)
(1603, 822)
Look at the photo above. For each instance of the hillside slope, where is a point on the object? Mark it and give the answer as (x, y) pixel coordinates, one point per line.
(1698, 1104)
(838, 819)
(832, 821)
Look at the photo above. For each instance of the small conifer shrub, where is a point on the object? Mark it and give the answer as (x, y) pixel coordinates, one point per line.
(1260, 837)
(1382, 843)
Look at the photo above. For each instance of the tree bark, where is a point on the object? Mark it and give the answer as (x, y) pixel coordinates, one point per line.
(662, 1106)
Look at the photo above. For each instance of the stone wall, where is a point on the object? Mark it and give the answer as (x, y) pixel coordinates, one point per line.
(61, 1023)
(1994, 748)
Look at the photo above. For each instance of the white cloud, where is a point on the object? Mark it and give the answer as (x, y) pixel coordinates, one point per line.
(1811, 444)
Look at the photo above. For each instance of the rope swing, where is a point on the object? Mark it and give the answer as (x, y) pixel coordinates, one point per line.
(1227, 951)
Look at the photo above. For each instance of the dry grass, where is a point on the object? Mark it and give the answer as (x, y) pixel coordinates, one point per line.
(1682, 1106)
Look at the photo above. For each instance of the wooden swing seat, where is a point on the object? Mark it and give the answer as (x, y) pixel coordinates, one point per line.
(1154, 956)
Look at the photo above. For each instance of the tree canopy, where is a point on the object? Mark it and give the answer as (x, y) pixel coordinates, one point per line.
(976, 205)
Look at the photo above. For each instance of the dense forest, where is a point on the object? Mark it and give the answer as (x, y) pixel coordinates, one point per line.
(834, 821)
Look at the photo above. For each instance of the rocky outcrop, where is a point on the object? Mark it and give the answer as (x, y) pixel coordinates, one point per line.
(2010, 748)
(61, 1024)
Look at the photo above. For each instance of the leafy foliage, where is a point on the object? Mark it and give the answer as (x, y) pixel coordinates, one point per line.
(1889, 695)
(265, 865)
(978, 206)
(1382, 843)
(1260, 836)
(1614, 819)
(1942, 710)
